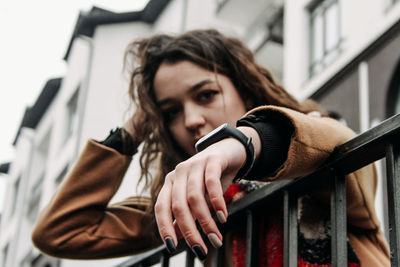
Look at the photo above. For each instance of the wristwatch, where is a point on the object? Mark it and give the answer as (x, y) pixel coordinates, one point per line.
(226, 131)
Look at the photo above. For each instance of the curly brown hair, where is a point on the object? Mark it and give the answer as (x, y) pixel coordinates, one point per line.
(212, 51)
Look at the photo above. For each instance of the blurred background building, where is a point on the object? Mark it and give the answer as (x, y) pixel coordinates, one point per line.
(344, 54)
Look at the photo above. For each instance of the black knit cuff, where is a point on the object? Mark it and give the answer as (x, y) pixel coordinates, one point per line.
(275, 131)
(120, 140)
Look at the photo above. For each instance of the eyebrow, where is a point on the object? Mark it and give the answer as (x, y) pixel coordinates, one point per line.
(192, 89)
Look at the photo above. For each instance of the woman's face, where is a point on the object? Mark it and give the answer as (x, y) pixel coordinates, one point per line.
(194, 101)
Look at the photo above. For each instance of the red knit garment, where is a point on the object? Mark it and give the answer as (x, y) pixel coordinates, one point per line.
(270, 251)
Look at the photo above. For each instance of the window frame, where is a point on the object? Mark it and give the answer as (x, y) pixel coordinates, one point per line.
(72, 116)
(34, 199)
(318, 9)
(15, 189)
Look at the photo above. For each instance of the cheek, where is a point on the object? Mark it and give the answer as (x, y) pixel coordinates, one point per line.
(179, 134)
(182, 139)
(237, 110)
(175, 131)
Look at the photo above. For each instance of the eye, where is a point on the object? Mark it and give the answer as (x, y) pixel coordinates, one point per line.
(171, 113)
(206, 95)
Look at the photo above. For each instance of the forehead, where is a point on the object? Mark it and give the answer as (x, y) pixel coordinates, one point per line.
(176, 78)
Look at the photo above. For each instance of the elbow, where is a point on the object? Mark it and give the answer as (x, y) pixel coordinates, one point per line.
(44, 239)
(40, 239)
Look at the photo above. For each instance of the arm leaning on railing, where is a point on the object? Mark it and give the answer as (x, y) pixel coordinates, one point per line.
(79, 224)
(354, 154)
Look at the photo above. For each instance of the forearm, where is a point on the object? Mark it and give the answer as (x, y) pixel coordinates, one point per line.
(78, 223)
(293, 144)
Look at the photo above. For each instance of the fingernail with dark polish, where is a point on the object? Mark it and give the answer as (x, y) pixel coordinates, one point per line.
(170, 245)
(199, 252)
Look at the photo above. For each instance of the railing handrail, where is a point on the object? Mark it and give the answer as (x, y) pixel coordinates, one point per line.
(337, 162)
(345, 159)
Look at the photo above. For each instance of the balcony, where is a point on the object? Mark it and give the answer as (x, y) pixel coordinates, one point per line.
(260, 25)
(377, 143)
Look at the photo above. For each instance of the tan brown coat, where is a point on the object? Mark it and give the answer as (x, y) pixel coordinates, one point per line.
(79, 222)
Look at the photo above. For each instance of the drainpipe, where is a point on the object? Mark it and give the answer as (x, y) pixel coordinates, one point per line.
(82, 99)
(184, 15)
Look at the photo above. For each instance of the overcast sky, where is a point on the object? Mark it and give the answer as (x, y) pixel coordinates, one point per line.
(34, 39)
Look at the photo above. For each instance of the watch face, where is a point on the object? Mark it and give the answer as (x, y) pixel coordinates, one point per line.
(202, 143)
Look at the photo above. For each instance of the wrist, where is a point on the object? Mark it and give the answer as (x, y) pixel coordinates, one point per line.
(236, 154)
(255, 138)
(227, 131)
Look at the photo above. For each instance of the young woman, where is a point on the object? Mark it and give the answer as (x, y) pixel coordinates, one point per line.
(185, 87)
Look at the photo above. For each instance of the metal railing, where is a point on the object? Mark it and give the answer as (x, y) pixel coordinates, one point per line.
(382, 141)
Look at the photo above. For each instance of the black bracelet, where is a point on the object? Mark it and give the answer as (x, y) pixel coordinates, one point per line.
(226, 131)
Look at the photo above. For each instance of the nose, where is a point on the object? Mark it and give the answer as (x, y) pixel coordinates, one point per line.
(194, 117)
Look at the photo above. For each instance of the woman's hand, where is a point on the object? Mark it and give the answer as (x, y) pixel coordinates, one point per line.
(194, 183)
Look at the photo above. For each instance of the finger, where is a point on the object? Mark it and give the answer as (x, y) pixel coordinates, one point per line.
(212, 181)
(163, 215)
(199, 208)
(182, 212)
(177, 231)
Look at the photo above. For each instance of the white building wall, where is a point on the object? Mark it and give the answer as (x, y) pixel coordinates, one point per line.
(108, 84)
(362, 22)
(171, 20)
(14, 200)
(359, 29)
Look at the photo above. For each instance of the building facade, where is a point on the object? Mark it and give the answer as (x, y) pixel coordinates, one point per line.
(347, 60)
(327, 50)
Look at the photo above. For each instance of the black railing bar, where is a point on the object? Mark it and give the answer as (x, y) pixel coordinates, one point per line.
(252, 235)
(393, 191)
(374, 137)
(218, 255)
(289, 229)
(151, 257)
(383, 130)
(164, 260)
(366, 147)
(354, 152)
(189, 258)
(338, 221)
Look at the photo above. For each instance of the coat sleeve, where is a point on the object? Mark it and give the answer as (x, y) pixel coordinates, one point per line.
(313, 140)
(78, 222)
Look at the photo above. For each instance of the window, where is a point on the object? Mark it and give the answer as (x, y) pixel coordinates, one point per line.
(34, 199)
(397, 105)
(72, 114)
(5, 252)
(26, 261)
(220, 4)
(267, 43)
(393, 93)
(325, 34)
(61, 176)
(15, 196)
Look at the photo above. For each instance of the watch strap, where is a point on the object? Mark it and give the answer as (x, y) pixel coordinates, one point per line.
(226, 131)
